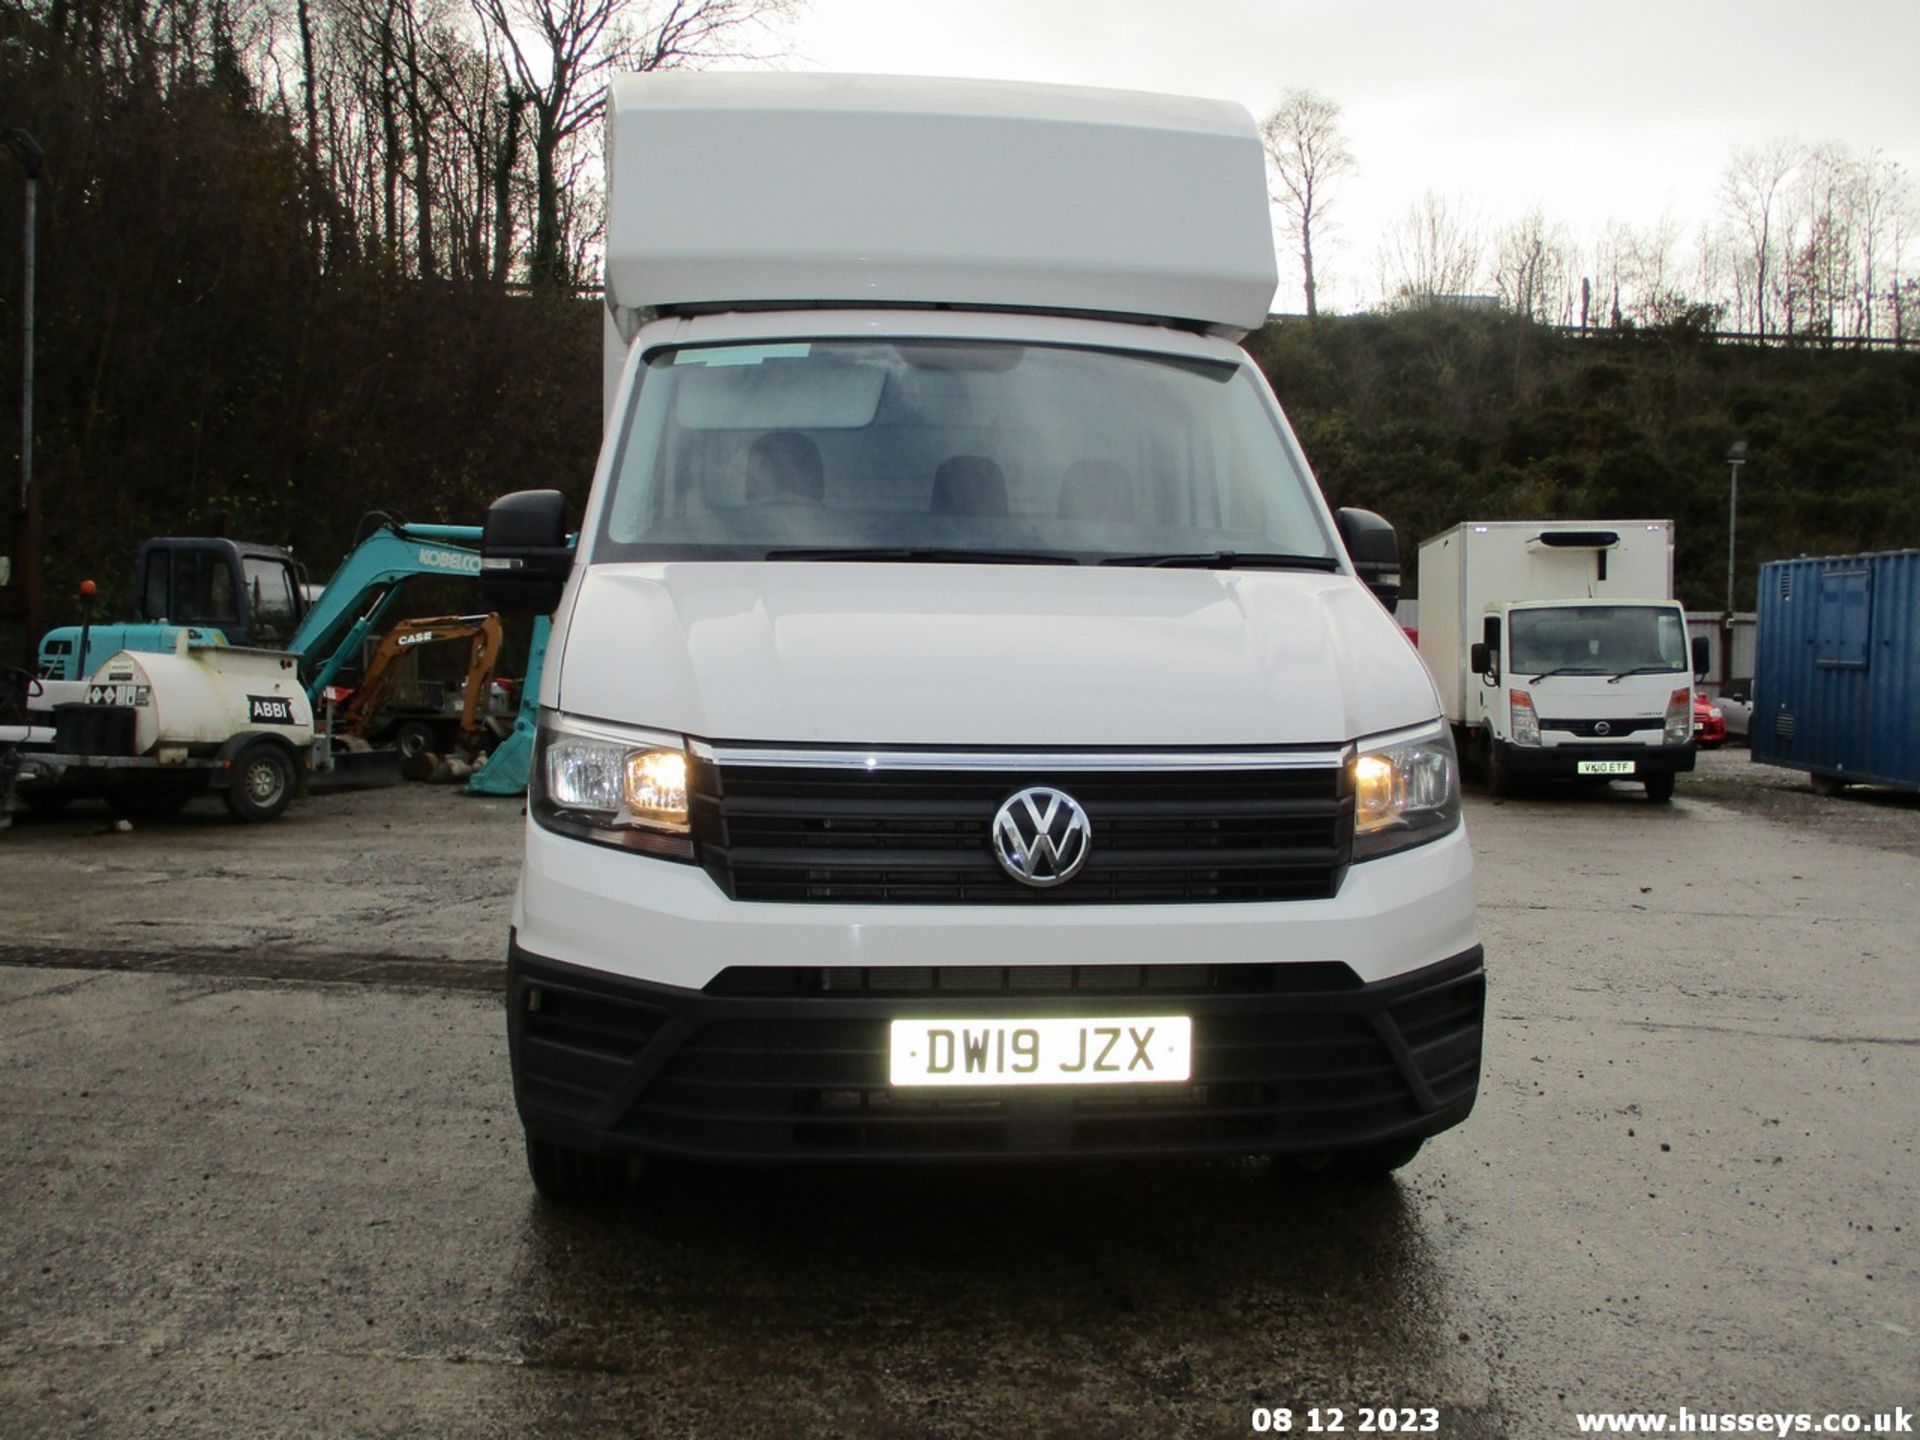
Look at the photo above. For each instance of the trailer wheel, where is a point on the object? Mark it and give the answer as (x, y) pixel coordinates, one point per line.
(262, 783)
(1659, 788)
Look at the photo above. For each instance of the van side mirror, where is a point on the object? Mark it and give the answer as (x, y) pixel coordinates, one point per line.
(1375, 551)
(1479, 658)
(524, 555)
(1700, 657)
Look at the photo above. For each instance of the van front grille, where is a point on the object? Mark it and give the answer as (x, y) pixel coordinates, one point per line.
(901, 835)
(974, 981)
(1616, 726)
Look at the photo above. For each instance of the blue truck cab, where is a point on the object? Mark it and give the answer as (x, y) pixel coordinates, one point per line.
(216, 589)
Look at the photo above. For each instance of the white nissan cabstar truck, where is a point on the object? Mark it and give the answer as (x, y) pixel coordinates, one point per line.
(967, 732)
(1559, 650)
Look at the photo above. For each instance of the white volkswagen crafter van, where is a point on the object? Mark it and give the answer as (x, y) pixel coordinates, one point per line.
(967, 733)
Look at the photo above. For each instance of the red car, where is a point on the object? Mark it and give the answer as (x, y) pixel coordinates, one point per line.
(1709, 725)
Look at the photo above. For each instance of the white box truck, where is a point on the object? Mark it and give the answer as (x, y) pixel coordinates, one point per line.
(967, 732)
(1559, 650)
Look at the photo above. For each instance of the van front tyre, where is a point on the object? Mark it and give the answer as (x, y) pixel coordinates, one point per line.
(1659, 788)
(1498, 772)
(566, 1176)
(262, 782)
(1472, 750)
(1366, 1164)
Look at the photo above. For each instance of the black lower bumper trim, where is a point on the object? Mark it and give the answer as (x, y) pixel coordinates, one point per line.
(1536, 762)
(607, 1064)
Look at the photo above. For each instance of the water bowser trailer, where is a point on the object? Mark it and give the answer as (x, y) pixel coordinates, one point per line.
(967, 734)
(1559, 650)
(153, 729)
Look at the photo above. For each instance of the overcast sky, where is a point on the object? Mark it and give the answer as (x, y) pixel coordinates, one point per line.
(1623, 111)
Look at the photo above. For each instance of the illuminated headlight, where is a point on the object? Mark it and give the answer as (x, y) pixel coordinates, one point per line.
(607, 783)
(1680, 717)
(1526, 721)
(1406, 791)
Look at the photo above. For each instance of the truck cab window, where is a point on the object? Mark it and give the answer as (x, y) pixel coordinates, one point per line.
(1597, 639)
(271, 595)
(733, 451)
(203, 592)
(156, 586)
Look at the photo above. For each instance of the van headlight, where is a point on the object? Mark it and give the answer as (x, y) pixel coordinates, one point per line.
(611, 784)
(1406, 790)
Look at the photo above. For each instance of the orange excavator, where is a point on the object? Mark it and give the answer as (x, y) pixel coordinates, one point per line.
(369, 713)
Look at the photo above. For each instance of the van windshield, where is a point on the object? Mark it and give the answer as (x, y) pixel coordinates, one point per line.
(938, 449)
(1597, 640)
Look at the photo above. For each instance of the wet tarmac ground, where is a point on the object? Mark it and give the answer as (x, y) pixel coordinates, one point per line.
(263, 1176)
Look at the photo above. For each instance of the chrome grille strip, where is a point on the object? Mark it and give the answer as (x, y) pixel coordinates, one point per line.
(1056, 761)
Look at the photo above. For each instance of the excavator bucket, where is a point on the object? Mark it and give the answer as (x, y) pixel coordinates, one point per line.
(507, 768)
(354, 770)
(511, 764)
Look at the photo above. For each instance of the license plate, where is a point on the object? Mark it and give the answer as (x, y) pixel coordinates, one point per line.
(1108, 1050)
(1604, 767)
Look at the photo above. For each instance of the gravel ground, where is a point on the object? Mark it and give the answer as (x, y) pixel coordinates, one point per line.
(262, 1175)
(1877, 816)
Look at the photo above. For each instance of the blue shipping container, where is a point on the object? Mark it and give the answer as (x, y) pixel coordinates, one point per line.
(1836, 678)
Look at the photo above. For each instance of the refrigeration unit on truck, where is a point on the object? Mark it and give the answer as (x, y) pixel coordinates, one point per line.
(968, 733)
(1559, 650)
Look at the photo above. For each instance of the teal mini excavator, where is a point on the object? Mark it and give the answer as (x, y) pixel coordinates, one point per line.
(233, 592)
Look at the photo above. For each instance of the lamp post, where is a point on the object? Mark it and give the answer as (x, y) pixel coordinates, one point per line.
(32, 160)
(1736, 457)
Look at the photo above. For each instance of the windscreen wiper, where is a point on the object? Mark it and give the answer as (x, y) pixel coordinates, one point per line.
(1228, 560)
(924, 554)
(1563, 670)
(1644, 670)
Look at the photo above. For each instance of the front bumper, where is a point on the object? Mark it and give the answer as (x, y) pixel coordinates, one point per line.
(1539, 762)
(766, 1066)
(622, 914)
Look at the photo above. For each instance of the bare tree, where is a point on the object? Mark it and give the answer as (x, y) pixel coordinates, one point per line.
(1530, 267)
(1432, 252)
(1902, 224)
(1751, 193)
(1309, 155)
(561, 54)
(1821, 249)
(1879, 191)
(1712, 275)
(1633, 265)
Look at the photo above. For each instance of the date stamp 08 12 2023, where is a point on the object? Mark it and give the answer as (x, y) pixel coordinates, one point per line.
(1342, 1420)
